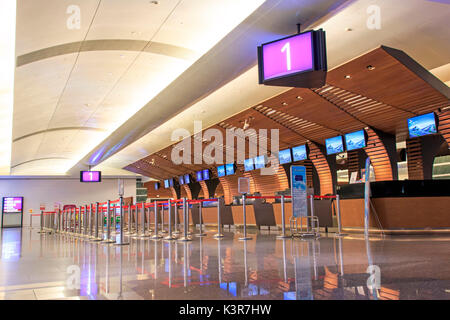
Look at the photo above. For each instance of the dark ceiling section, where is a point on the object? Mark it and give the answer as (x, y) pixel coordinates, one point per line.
(380, 89)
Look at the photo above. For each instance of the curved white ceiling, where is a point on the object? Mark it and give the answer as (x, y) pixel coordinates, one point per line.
(73, 87)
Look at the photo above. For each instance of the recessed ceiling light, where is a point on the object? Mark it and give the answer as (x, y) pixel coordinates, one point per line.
(109, 73)
(284, 103)
(348, 29)
(348, 76)
(299, 98)
(370, 67)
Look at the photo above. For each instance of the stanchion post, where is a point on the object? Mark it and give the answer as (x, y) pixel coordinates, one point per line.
(219, 233)
(283, 224)
(96, 216)
(156, 235)
(121, 241)
(338, 209)
(200, 217)
(185, 236)
(245, 220)
(176, 219)
(163, 210)
(108, 223)
(170, 236)
(42, 222)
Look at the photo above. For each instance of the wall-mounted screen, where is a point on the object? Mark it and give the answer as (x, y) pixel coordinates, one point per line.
(90, 176)
(248, 165)
(206, 174)
(171, 182)
(221, 171)
(187, 179)
(156, 185)
(199, 175)
(299, 153)
(355, 140)
(260, 162)
(181, 180)
(12, 204)
(230, 169)
(422, 125)
(284, 156)
(166, 184)
(334, 145)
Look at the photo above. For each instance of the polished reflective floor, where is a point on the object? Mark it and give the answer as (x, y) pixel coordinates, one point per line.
(35, 266)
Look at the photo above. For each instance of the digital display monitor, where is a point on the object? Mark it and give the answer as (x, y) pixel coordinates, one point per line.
(90, 176)
(156, 185)
(199, 175)
(166, 184)
(206, 174)
(422, 125)
(187, 179)
(181, 180)
(248, 164)
(299, 153)
(230, 169)
(221, 171)
(12, 204)
(334, 145)
(288, 56)
(171, 182)
(260, 162)
(355, 140)
(284, 156)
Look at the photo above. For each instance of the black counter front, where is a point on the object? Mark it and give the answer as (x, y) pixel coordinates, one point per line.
(396, 189)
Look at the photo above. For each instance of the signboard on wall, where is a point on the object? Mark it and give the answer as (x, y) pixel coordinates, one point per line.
(12, 212)
(298, 191)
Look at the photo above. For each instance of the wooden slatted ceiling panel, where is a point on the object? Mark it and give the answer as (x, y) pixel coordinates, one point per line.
(204, 189)
(322, 168)
(161, 193)
(368, 111)
(379, 157)
(391, 82)
(444, 125)
(415, 161)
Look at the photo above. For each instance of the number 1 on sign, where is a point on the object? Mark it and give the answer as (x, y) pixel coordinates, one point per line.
(287, 48)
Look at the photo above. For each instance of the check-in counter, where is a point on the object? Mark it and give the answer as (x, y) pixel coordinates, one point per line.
(410, 206)
(264, 214)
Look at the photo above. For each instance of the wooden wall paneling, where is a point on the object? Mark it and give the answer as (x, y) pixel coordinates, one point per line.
(322, 167)
(415, 161)
(187, 191)
(379, 157)
(444, 125)
(204, 189)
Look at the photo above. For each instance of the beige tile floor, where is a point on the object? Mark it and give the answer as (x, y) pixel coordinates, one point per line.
(42, 267)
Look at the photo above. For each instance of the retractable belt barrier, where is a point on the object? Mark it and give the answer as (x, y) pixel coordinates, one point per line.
(94, 221)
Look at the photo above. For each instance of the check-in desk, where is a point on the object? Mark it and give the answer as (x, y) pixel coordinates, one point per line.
(261, 214)
(409, 206)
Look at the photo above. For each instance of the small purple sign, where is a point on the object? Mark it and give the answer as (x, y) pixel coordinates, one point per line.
(90, 176)
(288, 56)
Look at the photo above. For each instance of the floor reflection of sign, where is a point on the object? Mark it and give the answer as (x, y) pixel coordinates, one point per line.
(303, 278)
(298, 191)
